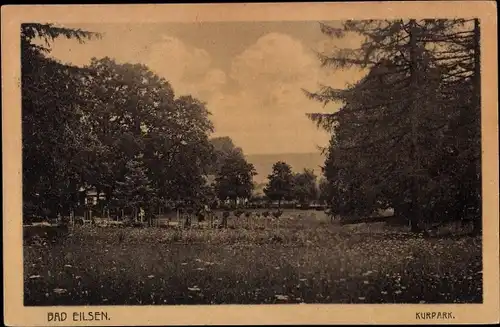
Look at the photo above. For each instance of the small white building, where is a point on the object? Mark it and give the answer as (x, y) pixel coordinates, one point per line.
(91, 196)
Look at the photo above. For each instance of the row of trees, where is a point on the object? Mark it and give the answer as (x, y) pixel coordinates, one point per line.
(234, 178)
(116, 128)
(302, 187)
(408, 134)
(119, 129)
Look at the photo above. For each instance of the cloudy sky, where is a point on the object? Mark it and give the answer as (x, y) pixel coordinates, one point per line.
(249, 73)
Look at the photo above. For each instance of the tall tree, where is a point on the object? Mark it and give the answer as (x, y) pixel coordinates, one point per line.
(280, 183)
(234, 180)
(223, 148)
(410, 95)
(134, 112)
(135, 189)
(323, 191)
(305, 188)
(53, 135)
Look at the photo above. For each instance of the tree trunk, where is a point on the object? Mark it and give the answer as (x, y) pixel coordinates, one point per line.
(477, 64)
(416, 214)
(478, 220)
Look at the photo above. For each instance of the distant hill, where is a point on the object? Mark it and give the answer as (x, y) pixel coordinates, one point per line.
(299, 161)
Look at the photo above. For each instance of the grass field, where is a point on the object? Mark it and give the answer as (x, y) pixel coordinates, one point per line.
(305, 259)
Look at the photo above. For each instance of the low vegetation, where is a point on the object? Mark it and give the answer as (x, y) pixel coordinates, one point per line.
(306, 260)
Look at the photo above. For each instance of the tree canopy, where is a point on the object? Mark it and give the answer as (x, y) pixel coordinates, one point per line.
(398, 126)
(280, 184)
(91, 127)
(234, 180)
(305, 188)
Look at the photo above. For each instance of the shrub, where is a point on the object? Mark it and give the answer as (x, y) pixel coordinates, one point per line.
(225, 216)
(200, 216)
(128, 222)
(304, 206)
(248, 214)
(265, 214)
(277, 214)
(138, 224)
(121, 237)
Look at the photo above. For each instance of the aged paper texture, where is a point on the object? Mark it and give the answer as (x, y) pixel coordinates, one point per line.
(286, 163)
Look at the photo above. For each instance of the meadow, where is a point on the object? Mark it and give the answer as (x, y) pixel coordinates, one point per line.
(301, 258)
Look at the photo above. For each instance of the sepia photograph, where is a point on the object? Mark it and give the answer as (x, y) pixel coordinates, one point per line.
(252, 162)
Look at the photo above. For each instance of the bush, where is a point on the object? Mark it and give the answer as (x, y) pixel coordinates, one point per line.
(304, 206)
(277, 214)
(200, 216)
(138, 224)
(225, 216)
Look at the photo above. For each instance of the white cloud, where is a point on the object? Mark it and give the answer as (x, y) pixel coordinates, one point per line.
(268, 112)
(187, 68)
(274, 60)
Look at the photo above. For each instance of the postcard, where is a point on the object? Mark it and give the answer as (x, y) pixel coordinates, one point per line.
(263, 163)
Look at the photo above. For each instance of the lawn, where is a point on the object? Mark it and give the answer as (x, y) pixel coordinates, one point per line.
(305, 259)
